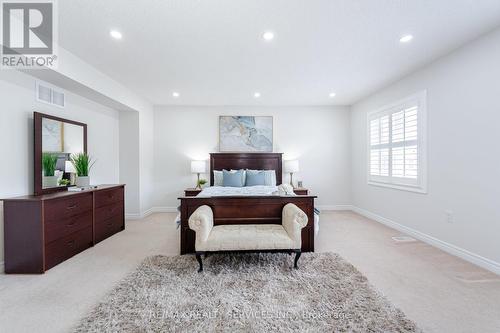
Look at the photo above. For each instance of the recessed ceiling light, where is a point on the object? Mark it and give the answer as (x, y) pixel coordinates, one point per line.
(406, 39)
(256, 95)
(268, 36)
(116, 34)
(175, 94)
(332, 95)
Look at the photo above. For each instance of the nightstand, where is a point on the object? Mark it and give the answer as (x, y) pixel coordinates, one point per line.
(192, 192)
(301, 191)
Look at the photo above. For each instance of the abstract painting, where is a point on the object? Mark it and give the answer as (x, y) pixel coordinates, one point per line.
(245, 134)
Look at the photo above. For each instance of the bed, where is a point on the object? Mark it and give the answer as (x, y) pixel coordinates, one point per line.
(250, 206)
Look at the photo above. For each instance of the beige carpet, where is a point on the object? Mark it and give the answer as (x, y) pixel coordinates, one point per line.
(441, 293)
(246, 293)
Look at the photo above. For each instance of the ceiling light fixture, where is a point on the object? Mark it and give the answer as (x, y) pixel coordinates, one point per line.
(332, 95)
(256, 95)
(406, 39)
(116, 34)
(175, 94)
(268, 36)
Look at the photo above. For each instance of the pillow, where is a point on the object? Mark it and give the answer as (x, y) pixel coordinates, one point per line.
(218, 177)
(269, 175)
(254, 178)
(233, 179)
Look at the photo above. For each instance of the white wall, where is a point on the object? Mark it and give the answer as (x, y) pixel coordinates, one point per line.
(146, 164)
(463, 95)
(129, 161)
(17, 96)
(318, 136)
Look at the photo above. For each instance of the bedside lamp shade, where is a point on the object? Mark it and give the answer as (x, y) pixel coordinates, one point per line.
(198, 166)
(69, 167)
(292, 166)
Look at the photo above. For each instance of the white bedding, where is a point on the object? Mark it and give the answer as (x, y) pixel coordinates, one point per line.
(218, 191)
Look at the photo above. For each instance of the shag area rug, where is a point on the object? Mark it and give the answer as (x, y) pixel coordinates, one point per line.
(246, 293)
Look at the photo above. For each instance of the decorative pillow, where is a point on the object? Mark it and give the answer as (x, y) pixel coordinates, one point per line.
(254, 178)
(233, 179)
(269, 175)
(217, 178)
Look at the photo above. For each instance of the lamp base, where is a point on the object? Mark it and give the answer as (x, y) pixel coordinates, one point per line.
(198, 186)
(291, 180)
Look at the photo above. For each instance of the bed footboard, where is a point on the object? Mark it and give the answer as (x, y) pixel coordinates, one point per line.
(246, 210)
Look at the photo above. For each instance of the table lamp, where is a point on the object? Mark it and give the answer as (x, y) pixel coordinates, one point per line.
(291, 167)
(198, 167)
(70, 168)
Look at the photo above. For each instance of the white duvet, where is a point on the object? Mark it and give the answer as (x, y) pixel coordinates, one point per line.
(218, 191)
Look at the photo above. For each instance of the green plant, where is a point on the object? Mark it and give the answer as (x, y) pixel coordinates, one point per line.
(82, 163)
(64, 182)
(201, 182)
(49, 164)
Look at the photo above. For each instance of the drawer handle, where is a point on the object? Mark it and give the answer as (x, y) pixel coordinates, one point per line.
(72, 206)
(71, 224)
(109, 224)
(111, 196)
(71, 243)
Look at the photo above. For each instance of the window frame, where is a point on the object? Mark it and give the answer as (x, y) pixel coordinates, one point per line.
(389, 181)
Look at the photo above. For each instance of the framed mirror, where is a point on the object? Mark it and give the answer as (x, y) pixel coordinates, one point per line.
(56, 139)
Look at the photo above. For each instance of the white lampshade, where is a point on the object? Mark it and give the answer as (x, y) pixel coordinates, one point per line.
(292, 166)
(198, 166)
(69, 167)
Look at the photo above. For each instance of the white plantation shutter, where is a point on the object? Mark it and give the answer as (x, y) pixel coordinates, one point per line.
(397, 146)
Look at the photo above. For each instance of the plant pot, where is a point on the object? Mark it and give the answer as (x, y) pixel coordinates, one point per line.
(49, 181)
(82, 181)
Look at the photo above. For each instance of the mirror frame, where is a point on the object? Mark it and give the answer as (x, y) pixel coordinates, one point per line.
(37, 125)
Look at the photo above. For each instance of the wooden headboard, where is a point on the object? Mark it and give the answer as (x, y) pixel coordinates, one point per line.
(254, 161)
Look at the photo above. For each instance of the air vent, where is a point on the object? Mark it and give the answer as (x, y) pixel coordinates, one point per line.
(48, 94)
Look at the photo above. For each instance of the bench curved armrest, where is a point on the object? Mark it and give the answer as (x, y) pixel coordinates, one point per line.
(293, 220)
(202, 222)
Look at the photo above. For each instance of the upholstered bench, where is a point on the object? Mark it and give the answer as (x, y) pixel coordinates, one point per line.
(285, 237)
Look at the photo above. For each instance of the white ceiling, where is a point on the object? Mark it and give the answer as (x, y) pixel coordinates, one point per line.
(212, 53)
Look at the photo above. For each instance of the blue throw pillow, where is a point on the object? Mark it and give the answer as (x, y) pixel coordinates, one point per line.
(255, 178)
(233, 179)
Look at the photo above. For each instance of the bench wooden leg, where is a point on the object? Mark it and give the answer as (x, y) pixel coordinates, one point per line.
(297, 256)
(198, 257)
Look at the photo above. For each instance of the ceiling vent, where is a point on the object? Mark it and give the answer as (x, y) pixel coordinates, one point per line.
(49, 94)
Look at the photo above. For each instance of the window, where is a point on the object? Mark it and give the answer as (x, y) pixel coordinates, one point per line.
(397, 145)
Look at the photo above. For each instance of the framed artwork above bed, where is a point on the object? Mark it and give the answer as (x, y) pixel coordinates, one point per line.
(245, 134)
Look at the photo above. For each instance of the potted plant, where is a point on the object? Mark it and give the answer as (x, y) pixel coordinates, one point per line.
(200, 183)
(82, 163)
(49, 168)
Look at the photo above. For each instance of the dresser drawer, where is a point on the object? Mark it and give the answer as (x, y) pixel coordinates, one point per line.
(108, 228)
(60, 228)
(66, 247)
(109, 211)
(60, 209)
(106, 197)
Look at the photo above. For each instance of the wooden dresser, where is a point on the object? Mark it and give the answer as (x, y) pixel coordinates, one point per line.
(43, 231)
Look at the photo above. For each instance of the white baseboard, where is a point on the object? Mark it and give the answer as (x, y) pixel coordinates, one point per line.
(334, 207)
(164, 209)
(146, 213)
(476, 259)
(2, 267)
